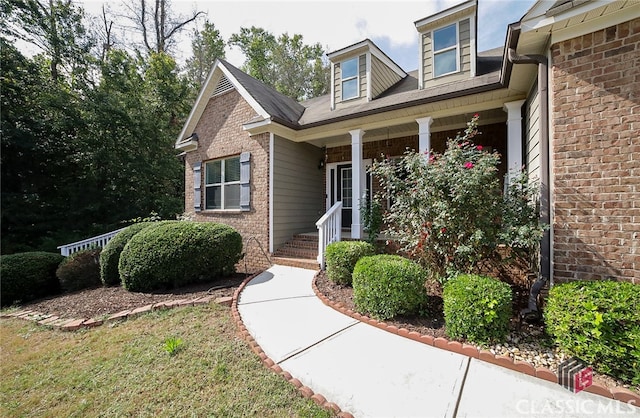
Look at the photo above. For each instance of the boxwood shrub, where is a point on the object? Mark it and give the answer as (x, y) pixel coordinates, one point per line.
(341, 258)
(80, 270)
(387, 285)
(178, 253)
(110, 255)
(477, 308)
(598, 322)
(28, 276)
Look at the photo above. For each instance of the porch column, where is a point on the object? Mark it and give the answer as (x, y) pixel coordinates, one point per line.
(514, 136)
(424, 134)
(358, 186)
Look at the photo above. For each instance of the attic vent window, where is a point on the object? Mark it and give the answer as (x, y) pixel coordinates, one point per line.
(224, 85)
(445, 50)
(349, 77)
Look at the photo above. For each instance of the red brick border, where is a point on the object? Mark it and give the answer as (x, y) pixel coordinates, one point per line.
(306, 391)
(73, 324)
(619, 394)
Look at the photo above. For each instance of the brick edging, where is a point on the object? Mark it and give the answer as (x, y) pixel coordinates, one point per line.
(619, 394)
(73, 324)
(306, 391)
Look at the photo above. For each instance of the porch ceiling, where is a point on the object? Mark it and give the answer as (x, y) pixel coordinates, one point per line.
(411, 128)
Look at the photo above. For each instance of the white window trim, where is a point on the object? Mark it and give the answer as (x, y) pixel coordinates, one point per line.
(221, 184)
(356, 77)
(456, 47)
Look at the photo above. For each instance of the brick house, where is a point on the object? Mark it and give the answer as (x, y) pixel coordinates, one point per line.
(561, 98)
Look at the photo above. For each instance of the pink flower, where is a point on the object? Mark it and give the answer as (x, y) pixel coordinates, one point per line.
(477, 115)
(443, 230)
(479, 147)
(468, 164)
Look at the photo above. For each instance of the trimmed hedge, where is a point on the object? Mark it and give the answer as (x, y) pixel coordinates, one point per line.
(80, 270)
(28, 276)
(110, 255)
(178, 253)
(477, 308)
(341, 258)
(387, 285)
(598, 322)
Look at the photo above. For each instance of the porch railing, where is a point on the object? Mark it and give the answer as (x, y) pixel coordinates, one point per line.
(329, 230)
(98, 241)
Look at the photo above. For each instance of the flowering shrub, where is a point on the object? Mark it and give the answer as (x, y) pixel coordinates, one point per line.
(447, 210)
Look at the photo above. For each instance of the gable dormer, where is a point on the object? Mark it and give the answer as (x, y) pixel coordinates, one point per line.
(360, 73)
(448, 45)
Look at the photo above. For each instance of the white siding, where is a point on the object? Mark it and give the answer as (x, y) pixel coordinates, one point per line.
(298, 189)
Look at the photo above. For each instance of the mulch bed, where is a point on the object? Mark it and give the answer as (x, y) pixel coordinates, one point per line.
(99, 301)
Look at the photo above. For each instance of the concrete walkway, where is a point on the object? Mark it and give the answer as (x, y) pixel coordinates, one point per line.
(369, 372)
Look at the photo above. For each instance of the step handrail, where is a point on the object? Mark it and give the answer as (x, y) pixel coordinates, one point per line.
(329, 230)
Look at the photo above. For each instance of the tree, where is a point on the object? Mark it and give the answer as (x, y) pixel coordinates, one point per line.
(54, 26)
(157, 24)
(284, 63)
(206, 45)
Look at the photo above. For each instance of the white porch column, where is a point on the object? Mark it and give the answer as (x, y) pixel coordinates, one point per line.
(358, 186)
(514, 135)
(424, 134)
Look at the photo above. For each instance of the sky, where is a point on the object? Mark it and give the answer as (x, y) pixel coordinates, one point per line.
(336, 24)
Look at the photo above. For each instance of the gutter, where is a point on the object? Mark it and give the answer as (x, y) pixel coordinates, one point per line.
(545, 195)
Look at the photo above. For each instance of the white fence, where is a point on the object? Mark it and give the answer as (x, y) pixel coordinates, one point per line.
(329, 230)
(95, 242)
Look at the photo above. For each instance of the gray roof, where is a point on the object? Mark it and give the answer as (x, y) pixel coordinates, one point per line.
(283, 109)
(405, 93)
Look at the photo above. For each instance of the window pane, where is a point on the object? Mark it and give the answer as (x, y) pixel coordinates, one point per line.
(347, 188)
(213, 197)
(445, 62)
(350, 89)
(232, 170)
(350, 68)
(232, 196)
(444, 38)
(214, 172)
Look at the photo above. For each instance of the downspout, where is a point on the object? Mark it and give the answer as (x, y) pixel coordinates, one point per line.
(545, 197)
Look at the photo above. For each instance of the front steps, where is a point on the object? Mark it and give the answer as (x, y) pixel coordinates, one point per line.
(300, 251)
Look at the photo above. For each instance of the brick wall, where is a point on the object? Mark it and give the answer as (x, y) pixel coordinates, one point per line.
(220, 135)
(596, 155)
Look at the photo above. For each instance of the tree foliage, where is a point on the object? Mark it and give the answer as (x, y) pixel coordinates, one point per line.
(285, 63)
(206, 46)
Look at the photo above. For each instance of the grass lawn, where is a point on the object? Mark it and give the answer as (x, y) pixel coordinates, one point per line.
(123, 370)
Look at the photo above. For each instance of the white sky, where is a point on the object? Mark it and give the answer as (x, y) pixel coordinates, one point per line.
(337, 24)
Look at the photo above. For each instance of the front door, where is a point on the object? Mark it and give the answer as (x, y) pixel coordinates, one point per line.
(340, 181)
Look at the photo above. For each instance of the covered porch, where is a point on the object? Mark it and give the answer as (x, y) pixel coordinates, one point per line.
(347, 155)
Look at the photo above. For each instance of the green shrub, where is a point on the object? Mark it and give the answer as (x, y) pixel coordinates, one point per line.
(477, 308)
(598, 322)
(28, 276)
(80, 270)
(110, 255)
(386, 285)
(448, 212)
(342, 257)
(178, 253)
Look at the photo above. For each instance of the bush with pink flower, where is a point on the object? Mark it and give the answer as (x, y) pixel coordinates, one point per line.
(447, 210)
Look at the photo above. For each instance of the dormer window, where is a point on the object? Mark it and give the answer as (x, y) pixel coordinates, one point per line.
(445, 50)
(349, 78)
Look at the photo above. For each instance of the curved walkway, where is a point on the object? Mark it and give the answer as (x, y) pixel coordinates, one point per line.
(360, 370)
